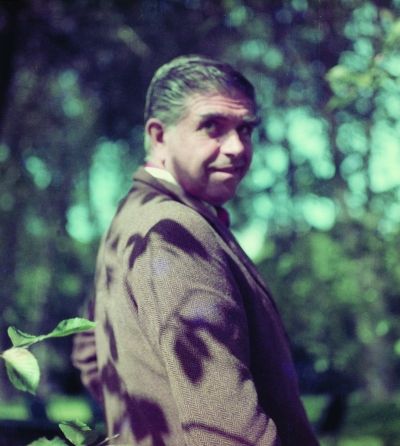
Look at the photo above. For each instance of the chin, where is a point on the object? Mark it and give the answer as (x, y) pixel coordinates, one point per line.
(217, 197)
(218, 200)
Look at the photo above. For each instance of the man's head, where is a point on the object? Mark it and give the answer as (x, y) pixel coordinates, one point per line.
(199, 116)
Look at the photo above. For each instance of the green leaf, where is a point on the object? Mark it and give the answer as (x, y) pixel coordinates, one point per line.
(19, 338)
(22, 369)
(78, 433)
(71, 326)
(56, 441)
(64, 328)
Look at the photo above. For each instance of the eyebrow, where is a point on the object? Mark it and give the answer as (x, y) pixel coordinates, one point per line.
(248, 119)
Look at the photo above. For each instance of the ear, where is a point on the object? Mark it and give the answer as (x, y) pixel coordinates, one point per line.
(155, 130)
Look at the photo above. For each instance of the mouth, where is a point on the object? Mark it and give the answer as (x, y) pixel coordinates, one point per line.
(228, 169)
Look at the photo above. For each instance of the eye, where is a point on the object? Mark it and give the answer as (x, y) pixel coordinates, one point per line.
(245, 130)
(212, 127)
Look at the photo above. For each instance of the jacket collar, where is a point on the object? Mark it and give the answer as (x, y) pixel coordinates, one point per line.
(177, 193)
(207, 211)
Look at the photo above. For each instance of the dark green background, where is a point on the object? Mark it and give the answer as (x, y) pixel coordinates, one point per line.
(319, 212)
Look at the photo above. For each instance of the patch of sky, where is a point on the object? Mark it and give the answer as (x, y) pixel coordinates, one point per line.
(308, 139)
(277, 159)
(79, 224)
(276, 128)
(106, 184)
(106, 180)
(40, 173)
(252, 237)
(319, 212)
(384, 163)
(259, 178)
(262, 206)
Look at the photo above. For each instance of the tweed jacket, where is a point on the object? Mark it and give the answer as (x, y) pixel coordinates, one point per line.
(189, 348)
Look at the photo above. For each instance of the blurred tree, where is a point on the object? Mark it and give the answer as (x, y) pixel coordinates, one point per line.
(319, 212)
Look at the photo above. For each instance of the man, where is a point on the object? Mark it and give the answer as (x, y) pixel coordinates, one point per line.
(189, 347)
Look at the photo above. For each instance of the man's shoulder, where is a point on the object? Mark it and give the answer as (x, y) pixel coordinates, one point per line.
(146, 212)
(160, 223)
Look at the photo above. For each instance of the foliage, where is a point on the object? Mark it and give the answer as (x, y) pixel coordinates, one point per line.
(22, 366)
(22, 369)
(319, 211)
(46, 442)
(78, 433)
(24, 373)
(64, 328)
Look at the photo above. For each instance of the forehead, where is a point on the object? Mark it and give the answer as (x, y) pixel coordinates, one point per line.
(213, 104)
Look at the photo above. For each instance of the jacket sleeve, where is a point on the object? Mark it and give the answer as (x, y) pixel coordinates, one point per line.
(84, 358)
(192, 311)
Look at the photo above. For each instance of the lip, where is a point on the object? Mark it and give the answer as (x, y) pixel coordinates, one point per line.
(228, 169)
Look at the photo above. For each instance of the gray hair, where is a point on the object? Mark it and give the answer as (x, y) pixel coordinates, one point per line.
(185, 75)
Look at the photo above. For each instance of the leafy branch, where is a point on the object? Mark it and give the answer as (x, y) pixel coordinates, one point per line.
(24, 373)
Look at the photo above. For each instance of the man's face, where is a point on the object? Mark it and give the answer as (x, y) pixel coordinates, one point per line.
(209, 149)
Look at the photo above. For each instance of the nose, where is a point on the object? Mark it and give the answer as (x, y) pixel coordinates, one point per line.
(233, 144)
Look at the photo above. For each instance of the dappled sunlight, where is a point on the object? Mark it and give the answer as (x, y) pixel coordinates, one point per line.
(319, 211)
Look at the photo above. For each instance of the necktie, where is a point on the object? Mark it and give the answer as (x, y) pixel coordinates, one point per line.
(223, 215)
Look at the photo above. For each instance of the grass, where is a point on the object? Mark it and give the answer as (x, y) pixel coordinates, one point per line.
(367, 423)
(58, 408)
(14, 410)
(62, 407)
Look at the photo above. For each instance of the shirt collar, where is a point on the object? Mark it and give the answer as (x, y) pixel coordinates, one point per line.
(160, 174)
(163, 174)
